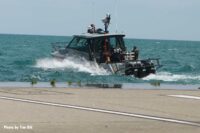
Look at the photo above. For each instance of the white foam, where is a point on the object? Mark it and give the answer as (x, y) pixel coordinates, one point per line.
(172, 49)
(166, 76)
(186, 96)
(71, 63)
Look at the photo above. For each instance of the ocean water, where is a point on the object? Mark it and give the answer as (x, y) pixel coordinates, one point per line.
(24, 57)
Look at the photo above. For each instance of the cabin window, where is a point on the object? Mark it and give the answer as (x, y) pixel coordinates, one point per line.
(116, 42)
(113, 43)
(80, 44)
(120, 43)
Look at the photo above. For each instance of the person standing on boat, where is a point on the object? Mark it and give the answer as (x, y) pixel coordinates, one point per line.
(106, 22)
(116, 54)
(136, 52)
(93, 28)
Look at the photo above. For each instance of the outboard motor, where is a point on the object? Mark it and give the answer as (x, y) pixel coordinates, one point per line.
(139, 69)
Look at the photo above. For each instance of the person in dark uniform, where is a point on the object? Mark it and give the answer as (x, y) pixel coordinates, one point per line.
(116, 54)
(106, 22)
(91, 29)
(136, 52)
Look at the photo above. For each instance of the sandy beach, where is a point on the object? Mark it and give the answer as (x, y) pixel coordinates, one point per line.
(64, 110)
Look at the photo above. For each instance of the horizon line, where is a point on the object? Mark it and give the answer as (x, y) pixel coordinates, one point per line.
(161, 39)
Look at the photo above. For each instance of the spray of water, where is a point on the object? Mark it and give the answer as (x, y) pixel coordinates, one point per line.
(166, 76)
(72, 64)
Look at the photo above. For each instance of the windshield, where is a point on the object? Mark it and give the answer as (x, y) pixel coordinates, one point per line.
(79, 44)
(116, 42)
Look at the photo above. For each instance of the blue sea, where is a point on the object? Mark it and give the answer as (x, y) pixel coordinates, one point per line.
(24, 57)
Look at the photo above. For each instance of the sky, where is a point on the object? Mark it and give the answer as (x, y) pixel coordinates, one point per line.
(147, 19)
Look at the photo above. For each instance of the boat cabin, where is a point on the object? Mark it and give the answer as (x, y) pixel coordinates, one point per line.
(100, 47)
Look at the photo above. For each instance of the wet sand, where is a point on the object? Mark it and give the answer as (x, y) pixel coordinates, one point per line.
(63, 110)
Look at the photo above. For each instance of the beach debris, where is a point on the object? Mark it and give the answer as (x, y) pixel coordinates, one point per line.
(105, 85)
(79, 83)
(69, 83)
(33, 81)
(155, 83)
(53, 82)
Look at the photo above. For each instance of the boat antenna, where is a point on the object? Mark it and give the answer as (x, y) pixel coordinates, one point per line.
(93, 11)
(116, 16)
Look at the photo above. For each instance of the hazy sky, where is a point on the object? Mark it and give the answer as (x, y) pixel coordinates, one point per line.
(155, 19)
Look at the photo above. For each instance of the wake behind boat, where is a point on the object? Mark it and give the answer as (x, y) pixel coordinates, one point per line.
(107, 50)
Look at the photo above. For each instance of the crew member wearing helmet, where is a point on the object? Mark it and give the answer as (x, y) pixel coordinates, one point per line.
(91, 29)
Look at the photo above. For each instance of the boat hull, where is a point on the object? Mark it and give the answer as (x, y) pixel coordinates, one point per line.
(137, 69)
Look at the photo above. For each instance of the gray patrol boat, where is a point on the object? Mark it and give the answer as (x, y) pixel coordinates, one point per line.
(108, 51)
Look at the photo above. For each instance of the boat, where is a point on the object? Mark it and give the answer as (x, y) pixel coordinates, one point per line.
(107, 50)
